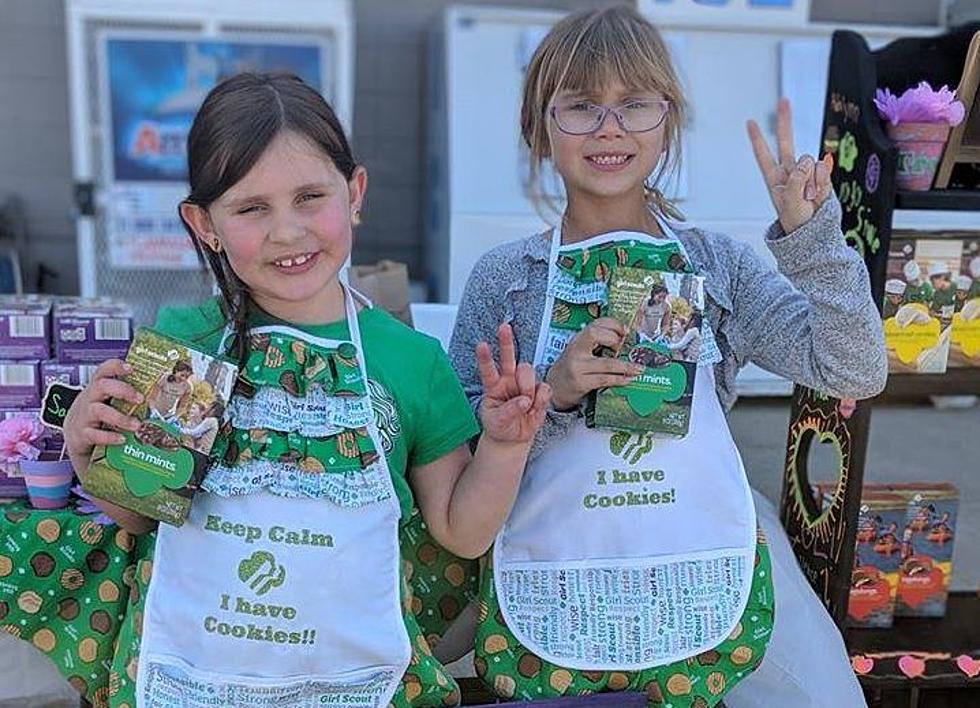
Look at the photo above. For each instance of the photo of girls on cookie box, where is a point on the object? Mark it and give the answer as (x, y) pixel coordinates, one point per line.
(663, 313)
(931, 309)
(159, 467)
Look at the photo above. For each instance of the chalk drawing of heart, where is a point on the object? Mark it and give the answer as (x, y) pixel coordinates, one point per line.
(862, 665)
(968, 665)
(911, 666)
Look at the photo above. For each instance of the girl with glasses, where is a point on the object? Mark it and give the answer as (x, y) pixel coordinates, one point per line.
(629, 561)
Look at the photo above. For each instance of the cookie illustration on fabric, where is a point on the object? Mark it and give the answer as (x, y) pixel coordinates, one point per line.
(261, 572)
(529, 665)
(48, 530)
(44, 640)
(347, 444)
(29, 602)
(289, 383)
(72, 579)
(100, 622)
(91, 532)
(42, 564)
(68, 609)
(274, 356)
(108, 591)
(97, 560)
(560, 313)
(676, 262)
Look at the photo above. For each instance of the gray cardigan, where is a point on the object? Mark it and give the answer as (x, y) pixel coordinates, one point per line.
(813, 321)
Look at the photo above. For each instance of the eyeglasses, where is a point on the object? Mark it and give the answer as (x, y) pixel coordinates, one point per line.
(584, 117)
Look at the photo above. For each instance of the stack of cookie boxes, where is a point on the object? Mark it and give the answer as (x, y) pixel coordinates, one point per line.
(82, 333)
(903, 553)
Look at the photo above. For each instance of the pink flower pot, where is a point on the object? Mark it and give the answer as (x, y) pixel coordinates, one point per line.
(920, 145)
(48, 482)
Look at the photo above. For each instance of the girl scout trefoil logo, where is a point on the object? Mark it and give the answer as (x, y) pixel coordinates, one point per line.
(631, 447)
(261, 572)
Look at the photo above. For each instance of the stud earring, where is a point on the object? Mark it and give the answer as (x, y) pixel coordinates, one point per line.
(355, 217)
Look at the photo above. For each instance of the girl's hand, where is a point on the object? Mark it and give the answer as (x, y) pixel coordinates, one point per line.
(90, 414)
(797, 187)
(578, 370)
(514, 404)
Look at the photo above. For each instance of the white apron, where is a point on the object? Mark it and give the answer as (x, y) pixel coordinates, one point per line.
(625, 552)
(261, 600)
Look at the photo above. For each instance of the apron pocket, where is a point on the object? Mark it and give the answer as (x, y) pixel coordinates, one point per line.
(627, 614)
(170, 681)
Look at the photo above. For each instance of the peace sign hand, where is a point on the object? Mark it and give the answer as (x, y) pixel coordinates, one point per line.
(797, 187)
(514, 403)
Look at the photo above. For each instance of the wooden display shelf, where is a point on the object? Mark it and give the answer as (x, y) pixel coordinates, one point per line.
(938, 653)
(955, 382)
(939, 200)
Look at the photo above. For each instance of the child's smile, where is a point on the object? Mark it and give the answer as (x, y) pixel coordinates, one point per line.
(609, 161)
(294, 265)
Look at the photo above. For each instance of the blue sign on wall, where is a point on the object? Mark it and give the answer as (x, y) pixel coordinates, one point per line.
(156, 86)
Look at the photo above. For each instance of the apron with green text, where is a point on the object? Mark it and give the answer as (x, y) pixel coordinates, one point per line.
(625, 551)
(263, 600)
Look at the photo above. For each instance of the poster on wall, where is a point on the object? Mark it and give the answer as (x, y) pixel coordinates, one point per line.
(727, 12)
(151, 86)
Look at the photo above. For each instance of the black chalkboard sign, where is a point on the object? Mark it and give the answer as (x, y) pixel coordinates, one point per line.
(57, 400)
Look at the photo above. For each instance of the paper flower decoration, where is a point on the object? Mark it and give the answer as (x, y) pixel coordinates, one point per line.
(20, 439)
(921, 104)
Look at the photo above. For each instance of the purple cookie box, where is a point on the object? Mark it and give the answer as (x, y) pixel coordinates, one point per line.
(25, 327)
(68, 374)
(20, 384)
(91, 331)
(12, 487)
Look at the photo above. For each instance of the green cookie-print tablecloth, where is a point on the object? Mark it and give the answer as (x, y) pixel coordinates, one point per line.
(75, 588)
(65, 582)
(442, 584)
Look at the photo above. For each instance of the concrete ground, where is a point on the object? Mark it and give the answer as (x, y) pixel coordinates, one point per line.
(945, 446)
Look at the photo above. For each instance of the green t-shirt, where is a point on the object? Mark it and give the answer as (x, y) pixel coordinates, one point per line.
(419, 405)
(919, 293)
(942, 298)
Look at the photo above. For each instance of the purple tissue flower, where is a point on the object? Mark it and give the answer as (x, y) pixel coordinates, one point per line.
(21, 439)
(921, 104)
